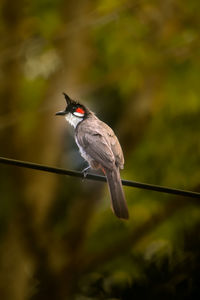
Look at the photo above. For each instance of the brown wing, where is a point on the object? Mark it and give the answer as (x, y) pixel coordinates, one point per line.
(100, 142)
(115, 146)
(117, 151)
(96, 146)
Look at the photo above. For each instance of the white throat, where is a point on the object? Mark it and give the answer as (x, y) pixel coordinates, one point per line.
(73, 120)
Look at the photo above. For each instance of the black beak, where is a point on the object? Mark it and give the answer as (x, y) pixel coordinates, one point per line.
(61, 113)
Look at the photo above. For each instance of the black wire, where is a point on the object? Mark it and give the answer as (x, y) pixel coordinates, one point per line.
(140, 185)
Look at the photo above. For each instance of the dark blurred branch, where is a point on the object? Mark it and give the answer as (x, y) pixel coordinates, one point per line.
(129, 183)
(134, 237)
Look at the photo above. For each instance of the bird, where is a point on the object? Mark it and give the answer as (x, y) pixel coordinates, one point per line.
(100, 147)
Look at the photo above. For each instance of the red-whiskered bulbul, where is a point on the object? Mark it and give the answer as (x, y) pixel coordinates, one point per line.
(100, 147)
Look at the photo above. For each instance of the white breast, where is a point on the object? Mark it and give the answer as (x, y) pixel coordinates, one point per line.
(74, 121)
(83, 153)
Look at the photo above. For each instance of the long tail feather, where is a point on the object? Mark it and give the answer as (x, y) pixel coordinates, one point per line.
(117, 194)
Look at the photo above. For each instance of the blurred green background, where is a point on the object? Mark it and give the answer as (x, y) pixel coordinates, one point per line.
(137, 65)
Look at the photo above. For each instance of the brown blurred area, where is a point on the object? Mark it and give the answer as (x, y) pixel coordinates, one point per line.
(136, 64)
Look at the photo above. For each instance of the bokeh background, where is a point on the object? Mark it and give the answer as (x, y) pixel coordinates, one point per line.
(137, 65)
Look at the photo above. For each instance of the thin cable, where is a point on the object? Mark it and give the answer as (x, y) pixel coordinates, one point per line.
(140, 185)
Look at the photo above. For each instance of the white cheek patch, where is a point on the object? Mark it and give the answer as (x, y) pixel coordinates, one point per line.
(78, 114)
(73, 120)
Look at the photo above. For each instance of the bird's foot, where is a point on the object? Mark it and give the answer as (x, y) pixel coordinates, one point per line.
(85, 172)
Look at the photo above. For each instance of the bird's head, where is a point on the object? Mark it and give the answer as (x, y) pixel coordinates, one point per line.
(73, 107)
(74, 112)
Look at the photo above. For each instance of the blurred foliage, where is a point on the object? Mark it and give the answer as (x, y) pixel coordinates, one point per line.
(136, 64)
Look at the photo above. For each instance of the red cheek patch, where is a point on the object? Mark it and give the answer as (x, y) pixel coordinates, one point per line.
(80, 110)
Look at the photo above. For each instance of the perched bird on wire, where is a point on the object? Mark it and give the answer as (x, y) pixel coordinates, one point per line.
(100, 147)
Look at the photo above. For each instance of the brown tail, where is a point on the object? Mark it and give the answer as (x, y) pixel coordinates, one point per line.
(117, 194)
